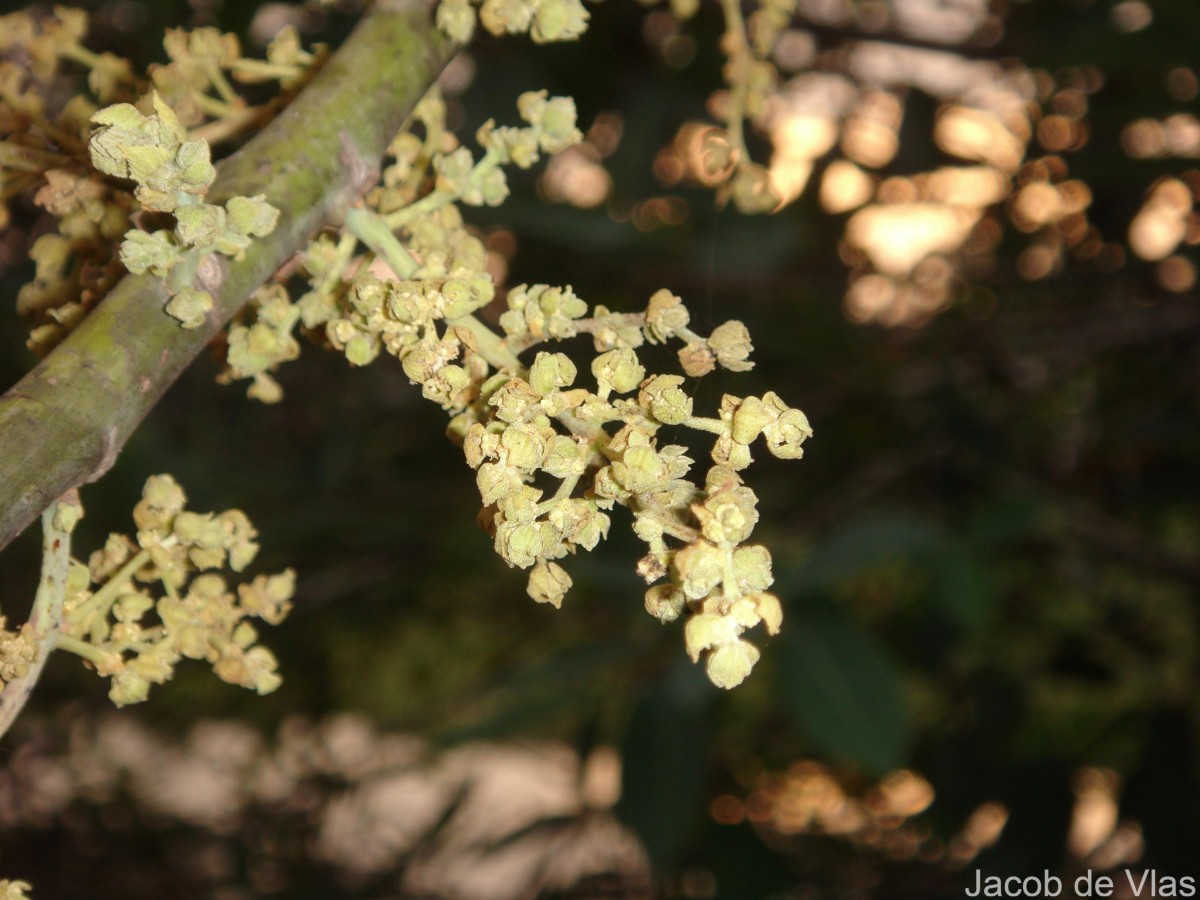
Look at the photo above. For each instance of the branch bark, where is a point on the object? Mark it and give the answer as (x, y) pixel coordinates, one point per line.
(64, 423)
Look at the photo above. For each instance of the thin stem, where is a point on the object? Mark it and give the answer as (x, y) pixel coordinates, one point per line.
(740, 55)
(597, 437)
(342, 255)
(434, 131)
(376, 233)
(261, 68)
(217, 108)
(565, 489)
(234, 122)
(670, 525)
(703, 423)
(86, 57)
(439, 198)
(46, 615)
(29, 159)
(107, 594)
(488, 344)
(732, 591)
(592, 325)
(222, 85)
(83, 649)
(423, 207)
(17, 185)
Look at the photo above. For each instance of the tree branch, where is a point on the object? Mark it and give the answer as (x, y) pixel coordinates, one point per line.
(64, 423)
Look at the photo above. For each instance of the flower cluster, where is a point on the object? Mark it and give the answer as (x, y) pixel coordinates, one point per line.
(525, 416)
(195, 613)
(721, 157)
(543, 20)
(172, 173)
(44, 150)
(441, 262)
(521, 425)
(18, 650)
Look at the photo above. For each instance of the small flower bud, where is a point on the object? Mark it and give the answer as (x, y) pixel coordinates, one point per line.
(618, 370)
(519, 544)
(465, 295)
(522, 447)
(564, 457)
(639, 469)
(665, 315)
(751, 189)
(549, 583)
(700, 567)
(653, 566)
(747, 417)
(162, 498)
(728, 516)
(551, 371)
(499, 16)
(190, 307)
(457, 19)
(665, 602)
(788, 432)
(697, 360)
(519, 504)
(494, 481)
(728, 665)
(728, 452)
(514, 400)
(559, 20)
(251, 215)
(664, 399)
(770, 611)
(199, 225)
(752, 568)
(406, 301)
(269, 596)
(479, 445)
(730, 344)
(705, 630)
(716, 153)
(128, 687)
(447, 387)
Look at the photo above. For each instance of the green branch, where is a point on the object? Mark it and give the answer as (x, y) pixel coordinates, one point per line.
(65, 422)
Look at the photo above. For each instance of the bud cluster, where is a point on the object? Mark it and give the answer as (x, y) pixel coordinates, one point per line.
(442, 264)
(45, 149)
(521, 425)
(171, 174)
(544, 20)
(554, 450)
(136, 636)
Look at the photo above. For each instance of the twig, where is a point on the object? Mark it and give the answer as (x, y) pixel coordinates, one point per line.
(47, 612)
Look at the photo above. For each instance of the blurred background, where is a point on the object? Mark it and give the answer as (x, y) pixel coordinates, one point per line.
(980, 285)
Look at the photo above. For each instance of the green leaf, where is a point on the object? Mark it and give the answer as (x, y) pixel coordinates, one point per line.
(1002, 520)
(862, 544)
(662, 783)
(843, 690)
(964, 586)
